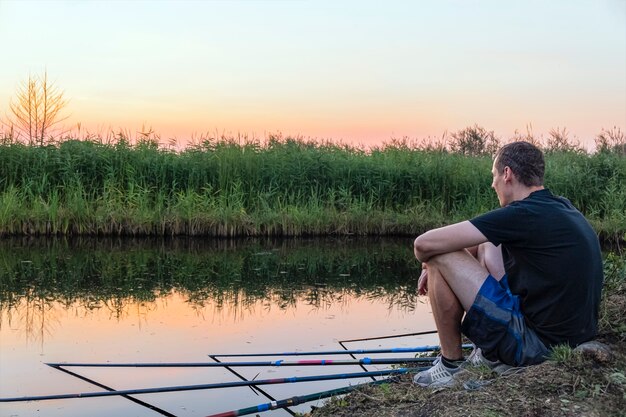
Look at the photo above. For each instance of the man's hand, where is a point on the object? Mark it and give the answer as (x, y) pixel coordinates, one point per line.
(422, 283)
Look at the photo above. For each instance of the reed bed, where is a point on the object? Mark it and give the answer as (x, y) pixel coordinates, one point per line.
(284, 187)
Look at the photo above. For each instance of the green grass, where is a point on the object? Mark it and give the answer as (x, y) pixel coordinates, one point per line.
(563, 354)
(611, 318)
(227, 187)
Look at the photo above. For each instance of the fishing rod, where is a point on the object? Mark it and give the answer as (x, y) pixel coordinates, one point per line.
(343, 346)
(98, 384)
(296, 400)
(364, 339)
(312, 362)
(434, 348)
(397, 371)
(253, 388)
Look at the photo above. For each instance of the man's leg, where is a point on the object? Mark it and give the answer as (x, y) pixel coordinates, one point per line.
(447, 312)
(454, 279)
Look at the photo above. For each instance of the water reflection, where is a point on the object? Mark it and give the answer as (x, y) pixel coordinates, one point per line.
(234, 276)
(94, 300)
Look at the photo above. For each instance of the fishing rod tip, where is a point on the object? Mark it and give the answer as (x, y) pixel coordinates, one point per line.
(53, 365)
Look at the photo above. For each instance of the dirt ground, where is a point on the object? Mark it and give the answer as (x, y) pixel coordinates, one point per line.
(579, 386)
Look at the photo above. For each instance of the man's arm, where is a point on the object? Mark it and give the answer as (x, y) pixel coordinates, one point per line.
(447, 239)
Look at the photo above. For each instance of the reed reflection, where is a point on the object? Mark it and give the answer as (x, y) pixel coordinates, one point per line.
(125, 277)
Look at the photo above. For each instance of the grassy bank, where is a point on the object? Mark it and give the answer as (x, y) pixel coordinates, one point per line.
(282, 187)
(568, 385)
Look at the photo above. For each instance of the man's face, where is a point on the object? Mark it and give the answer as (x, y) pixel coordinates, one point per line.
(498, 184)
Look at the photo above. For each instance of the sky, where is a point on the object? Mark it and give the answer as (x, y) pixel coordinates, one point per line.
(360, 72)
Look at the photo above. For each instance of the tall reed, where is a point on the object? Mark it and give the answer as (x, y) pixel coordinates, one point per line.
(283, 187)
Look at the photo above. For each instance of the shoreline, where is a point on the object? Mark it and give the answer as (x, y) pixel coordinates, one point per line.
(569, 384)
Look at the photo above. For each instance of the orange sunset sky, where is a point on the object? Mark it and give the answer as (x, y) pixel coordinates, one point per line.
(360, 72)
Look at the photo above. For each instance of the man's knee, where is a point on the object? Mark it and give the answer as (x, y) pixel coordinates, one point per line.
(462, 272)
(490, 257)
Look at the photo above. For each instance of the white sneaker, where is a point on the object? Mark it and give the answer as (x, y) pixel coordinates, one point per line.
(438, 375)
(477, 359)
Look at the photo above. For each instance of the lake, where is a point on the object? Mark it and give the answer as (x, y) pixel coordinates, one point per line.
(181, 300)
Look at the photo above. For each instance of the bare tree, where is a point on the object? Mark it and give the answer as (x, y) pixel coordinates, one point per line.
(37, 110)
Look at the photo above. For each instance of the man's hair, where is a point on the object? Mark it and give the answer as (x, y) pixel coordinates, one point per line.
(525, 160)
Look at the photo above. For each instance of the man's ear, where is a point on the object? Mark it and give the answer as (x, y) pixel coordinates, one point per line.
(508, 174)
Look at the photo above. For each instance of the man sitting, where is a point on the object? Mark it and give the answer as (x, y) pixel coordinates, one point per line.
(531, 280)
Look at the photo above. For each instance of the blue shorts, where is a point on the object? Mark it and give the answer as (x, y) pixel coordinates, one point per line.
(496, 325)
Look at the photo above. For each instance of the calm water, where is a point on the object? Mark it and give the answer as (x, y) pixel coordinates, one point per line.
(182, 300)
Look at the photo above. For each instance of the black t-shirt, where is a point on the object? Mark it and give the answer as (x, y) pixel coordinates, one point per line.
(553, 262)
